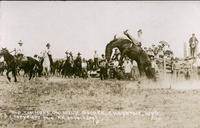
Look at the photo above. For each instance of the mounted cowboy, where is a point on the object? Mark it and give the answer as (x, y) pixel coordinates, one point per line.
(193, 45)
(19, 52)
(137, 41)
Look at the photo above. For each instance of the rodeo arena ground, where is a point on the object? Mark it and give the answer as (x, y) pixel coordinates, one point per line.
(128, 86)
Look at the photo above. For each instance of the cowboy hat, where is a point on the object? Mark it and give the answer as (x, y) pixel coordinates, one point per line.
(20, 42)
(47, 45)
(140, 30)
(66, 52)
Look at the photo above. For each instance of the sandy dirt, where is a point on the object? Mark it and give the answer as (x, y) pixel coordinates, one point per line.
(92, 103)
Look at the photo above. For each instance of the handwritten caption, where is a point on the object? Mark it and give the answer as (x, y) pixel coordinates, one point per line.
(94, 116)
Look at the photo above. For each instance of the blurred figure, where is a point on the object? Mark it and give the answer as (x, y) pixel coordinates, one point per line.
(77, 65)
(187, 68)
(154, 66)
(103, 68)
(116, 55)
(115, 68)
(95, 60)
(193, 44)
(127, 68)
(197, 65)
(176, 67)
(84, 69)
(145, 49)
(135, 70)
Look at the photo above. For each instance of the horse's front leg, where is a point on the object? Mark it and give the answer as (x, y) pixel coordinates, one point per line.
(30, 74)
(7, 74)
(15, 74)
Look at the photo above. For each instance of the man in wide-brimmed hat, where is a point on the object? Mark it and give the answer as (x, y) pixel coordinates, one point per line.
(48, 48)
(19, 52)
(103, 67)
(193, 45)
(20, 49)
(96, 60)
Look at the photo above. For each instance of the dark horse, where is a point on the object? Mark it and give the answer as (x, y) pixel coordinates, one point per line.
(30, 66)
(134, 53)
(11, 65)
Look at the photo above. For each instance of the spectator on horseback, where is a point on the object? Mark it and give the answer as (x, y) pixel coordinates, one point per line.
(137, 41)
(95, 60)
(103, 67)
(193, 44)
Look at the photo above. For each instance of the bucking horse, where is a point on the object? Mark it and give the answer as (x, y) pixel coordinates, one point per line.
(134, 53)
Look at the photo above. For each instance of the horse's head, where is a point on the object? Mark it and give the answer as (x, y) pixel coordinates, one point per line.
(109, 48)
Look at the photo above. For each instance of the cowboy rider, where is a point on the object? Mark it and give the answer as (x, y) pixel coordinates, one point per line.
(19, 52)
(69, 56)
(137, 41)
(193, 43)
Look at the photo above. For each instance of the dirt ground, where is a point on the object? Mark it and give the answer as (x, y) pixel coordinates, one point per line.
(92, 103)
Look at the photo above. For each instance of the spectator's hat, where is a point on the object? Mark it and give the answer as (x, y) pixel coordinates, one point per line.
(102, 54)
(66, 52)
(140, 30)
(20, 42)
(79, 53)
(47, 45)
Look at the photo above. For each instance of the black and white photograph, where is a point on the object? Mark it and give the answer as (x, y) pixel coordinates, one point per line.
(99, 64)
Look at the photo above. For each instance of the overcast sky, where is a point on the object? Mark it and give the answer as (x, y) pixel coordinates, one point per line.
(88, 26)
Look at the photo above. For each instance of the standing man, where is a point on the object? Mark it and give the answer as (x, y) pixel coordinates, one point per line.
(103, 68)
(127, 68)
(78, 66)
(95, 59)
(193, 44)
(46, 63)
(84, 69)
(115, 68)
